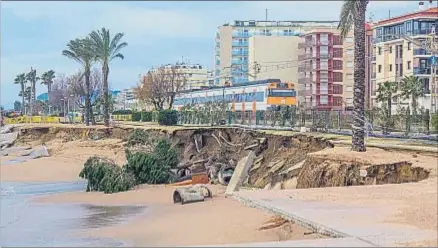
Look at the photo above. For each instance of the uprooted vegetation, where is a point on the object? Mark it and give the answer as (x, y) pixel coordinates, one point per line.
(281, 162)
(142, 167)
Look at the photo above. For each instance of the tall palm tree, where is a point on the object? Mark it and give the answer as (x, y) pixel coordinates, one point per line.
(385, 92)
(353, 14)
(47, 79)
(32, 78)
(412, 88)
(21, 80)
(106, 48)
(80, 51)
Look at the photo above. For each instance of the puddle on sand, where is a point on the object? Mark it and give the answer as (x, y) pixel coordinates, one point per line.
(23, 223)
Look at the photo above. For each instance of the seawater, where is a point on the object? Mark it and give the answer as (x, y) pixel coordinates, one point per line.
(25, 223)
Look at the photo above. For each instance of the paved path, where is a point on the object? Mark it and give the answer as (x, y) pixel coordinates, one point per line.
(340, 242)
(361, 225)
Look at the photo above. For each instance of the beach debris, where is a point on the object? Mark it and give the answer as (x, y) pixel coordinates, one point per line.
(12, 150)
(29, 154)
(274, 222)
(225, 174)
(190, 194)
(240, 173)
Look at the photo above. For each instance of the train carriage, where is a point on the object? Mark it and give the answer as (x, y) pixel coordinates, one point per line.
(249, 96)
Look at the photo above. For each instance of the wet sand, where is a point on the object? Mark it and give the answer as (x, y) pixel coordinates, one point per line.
(216, 221)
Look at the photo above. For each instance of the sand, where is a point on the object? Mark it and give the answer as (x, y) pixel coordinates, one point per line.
(217, 221)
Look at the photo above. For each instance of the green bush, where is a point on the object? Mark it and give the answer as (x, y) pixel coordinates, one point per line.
(168, 117)
(136, 116)
(146, 116)
(122, 112)
(435, 122)
(153, 168)
(138, 137)
(104, 175)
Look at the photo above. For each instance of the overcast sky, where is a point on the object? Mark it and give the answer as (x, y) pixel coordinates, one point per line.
(35, 33)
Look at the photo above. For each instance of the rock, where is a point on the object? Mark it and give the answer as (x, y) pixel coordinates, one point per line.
(290, 184)
(240, 173)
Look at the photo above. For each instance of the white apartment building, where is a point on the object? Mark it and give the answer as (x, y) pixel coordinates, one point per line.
(231, 56)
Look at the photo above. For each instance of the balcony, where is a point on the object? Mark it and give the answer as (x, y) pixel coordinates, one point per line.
(304, 56)
(238, 43)
(304, 68)
(239, 62)
(422, 71)
(305, 80)
(240, 34)
(305, 92)
(239, 53)
(373, 58)
(373, 75)
(307, 43)
(325, 56)
(421, 51)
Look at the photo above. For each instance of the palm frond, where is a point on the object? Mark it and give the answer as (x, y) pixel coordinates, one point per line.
(346, 18)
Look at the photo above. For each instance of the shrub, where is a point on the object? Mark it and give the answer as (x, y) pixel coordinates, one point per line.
(104, 175)
(146, 116)
(122, 112)
(136, 116)
(435, 122)
(153, 168)
(138, 137)
(168, 117)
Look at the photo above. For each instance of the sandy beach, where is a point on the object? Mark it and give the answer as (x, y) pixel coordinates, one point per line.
(216, 221)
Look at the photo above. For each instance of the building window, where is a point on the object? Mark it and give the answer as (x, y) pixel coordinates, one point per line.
(349, 64)
(349, 88)
(380, 69)
(349, 51)
(396, 68)
(349, 39)
(323, 100)
(390, 49)
(409, 65)
(390, 67)
(349, 76)
(409, 45)
(380, 51)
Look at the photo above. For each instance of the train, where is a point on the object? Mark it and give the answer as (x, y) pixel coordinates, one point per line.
(253, 96)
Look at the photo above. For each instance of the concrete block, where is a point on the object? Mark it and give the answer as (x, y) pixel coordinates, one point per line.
(240, 173)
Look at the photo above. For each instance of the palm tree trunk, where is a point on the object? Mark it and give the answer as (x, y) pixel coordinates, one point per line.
(105, 70)
(23, 107)
(87, 97)
(358, 139)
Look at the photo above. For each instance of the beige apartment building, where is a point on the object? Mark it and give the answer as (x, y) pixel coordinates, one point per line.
(232, 44)
(196, 75)
(398, 52)
(273, 57)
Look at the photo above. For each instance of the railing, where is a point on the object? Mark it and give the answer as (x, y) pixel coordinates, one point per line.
(240, 34)
(421, 51)
(305, 92)
(238, 62)
(422, 71)
(240, 53)
(304, 68)
(237, 43)
(325, 56)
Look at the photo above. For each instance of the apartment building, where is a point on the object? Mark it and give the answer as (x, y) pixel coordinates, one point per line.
(326, 70)
(398, 51)
(275, 57)
(196, 75)
(232, 44)
(125, 99)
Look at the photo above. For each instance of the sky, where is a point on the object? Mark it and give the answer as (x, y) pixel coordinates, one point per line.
(33, 34)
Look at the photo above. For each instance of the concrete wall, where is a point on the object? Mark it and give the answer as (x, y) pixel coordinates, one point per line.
(277, 56)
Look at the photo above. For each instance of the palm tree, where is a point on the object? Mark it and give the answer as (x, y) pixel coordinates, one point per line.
(412, 87)
(80, 51)
(32, 78)
(106, 49)
(353, 14)
(385, 92)
(47, 79)
(21, 80)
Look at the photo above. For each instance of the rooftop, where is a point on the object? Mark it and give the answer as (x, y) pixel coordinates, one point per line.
(254, 23)
(430, 12)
